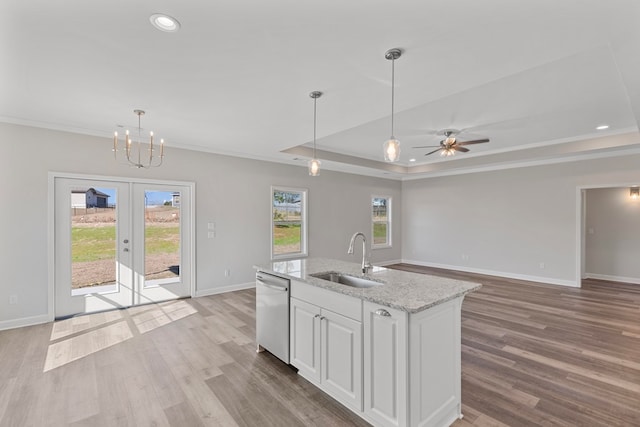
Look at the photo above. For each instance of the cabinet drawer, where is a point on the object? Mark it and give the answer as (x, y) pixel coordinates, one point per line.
(338, 303)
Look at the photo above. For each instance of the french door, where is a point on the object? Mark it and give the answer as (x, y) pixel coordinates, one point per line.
(119, 244)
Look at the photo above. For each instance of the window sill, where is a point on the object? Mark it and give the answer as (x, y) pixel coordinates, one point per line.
(376, 247)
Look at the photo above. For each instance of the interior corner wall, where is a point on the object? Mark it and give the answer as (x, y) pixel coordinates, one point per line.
(612, 238)
(519, 223)
(232, 192)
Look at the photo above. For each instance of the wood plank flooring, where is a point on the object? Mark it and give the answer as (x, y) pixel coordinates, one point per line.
(533, 355)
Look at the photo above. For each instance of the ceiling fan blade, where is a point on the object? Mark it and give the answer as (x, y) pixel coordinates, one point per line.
(476, 141)
(434, 151)
(461, 149)
(427, 146)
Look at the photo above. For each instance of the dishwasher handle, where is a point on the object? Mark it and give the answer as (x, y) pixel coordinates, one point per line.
(270, 283)
(276, 287)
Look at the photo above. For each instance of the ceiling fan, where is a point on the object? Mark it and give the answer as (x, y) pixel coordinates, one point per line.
(449, 145)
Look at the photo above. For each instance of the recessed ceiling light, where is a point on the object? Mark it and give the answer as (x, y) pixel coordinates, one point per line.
(602, 127)
(412, 160)
(164, 22)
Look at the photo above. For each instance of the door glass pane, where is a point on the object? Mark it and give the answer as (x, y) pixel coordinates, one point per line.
(93, 240)
(161, 237)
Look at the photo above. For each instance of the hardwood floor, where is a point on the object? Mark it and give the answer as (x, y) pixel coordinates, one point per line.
(533, 355)
(183, 363)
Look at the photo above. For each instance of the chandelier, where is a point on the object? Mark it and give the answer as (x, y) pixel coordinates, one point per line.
(134, 150)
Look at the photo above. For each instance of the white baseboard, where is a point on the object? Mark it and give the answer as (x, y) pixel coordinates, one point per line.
(632, 280)
(24, 321)
(385, 263)
(224, 289)
(538, 279)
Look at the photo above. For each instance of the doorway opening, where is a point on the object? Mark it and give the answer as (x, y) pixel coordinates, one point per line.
(608, 234)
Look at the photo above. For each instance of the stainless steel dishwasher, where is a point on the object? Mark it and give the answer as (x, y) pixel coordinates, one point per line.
(272, 315)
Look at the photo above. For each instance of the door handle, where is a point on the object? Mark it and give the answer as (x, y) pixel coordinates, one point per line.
(125, 241)
(125, 250)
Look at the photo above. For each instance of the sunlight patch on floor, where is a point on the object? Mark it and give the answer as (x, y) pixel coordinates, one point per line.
(153, 316)
(73, 325)
(77, 347)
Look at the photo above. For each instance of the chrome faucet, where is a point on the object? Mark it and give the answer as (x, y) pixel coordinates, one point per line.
(366, 265)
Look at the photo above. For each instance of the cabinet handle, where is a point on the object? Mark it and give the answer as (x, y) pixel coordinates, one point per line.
(316, 316)
(322, 318)
(382, 312)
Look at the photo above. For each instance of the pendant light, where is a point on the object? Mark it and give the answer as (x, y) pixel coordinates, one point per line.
(314, 163)
(392, 146)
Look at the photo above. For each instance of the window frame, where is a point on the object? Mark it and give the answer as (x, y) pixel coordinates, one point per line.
(303, 222)
(388, 243)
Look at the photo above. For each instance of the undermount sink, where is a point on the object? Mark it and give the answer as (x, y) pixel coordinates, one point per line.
(344, 279)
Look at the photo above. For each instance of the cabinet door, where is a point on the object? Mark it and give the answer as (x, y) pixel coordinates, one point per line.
(305, 339)
(385, 365)
(341, 360)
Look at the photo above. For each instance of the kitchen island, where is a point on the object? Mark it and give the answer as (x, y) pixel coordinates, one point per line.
(390, 351)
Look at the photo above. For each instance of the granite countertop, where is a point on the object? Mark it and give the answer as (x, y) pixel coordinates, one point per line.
(410, 292)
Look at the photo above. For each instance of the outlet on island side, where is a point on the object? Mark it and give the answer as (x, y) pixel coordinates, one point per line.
(227, 272)
(13, 299)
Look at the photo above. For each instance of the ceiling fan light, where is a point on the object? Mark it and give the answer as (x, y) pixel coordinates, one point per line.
(314, 167)
(392, 150)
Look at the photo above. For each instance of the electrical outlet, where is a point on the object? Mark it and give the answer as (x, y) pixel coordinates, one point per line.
(227, 272)
(211, 234)
(465, 257)
(542, 265)
(13, 299)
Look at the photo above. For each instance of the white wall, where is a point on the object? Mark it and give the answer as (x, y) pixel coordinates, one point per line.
(612, 240)
(242, 233)
(506, 222)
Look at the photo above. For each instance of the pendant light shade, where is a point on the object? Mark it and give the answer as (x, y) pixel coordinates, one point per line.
(392, 145)
(314, 163)
(391, 150)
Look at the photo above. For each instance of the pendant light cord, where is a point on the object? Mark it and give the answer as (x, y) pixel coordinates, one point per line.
(314, 126)
(139, 137)
(393, 62)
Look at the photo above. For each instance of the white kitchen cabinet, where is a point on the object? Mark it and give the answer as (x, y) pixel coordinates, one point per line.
(391, 367)
(385, 365)
(326, 345)
(305, 339)
(341, 358)
(412, 365)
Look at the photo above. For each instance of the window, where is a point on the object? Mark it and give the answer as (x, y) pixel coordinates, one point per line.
(381, 221)
(288, 222)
